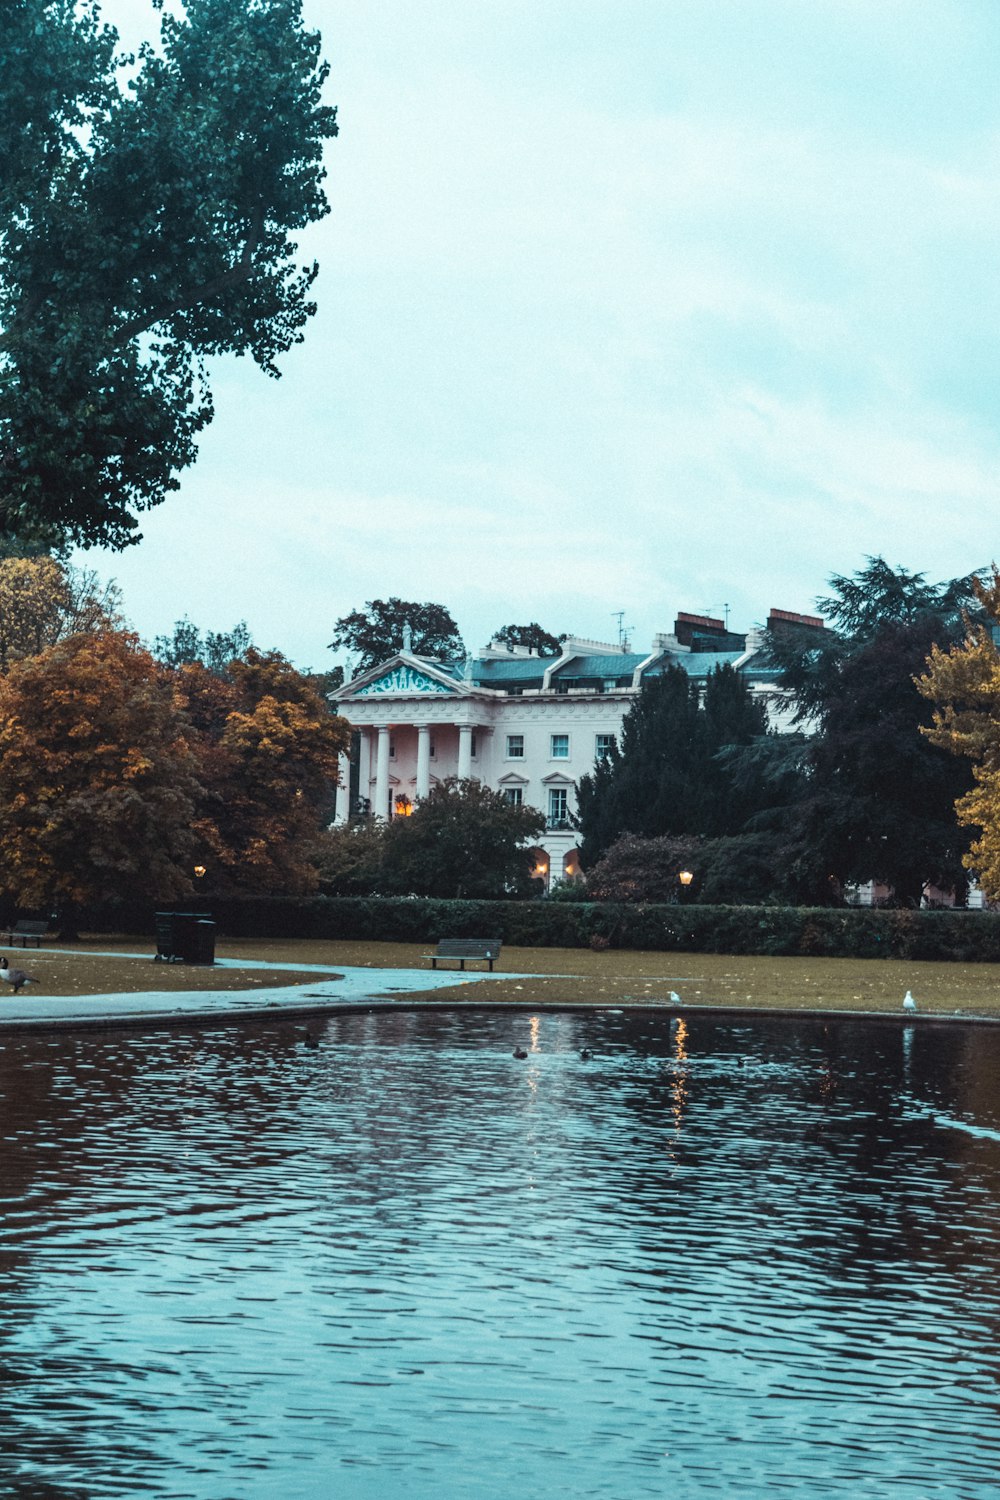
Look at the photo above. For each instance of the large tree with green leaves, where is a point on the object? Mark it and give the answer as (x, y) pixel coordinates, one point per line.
(464, 840)
(378, 631)
(876, 801)
(532, 636)
(146, 213)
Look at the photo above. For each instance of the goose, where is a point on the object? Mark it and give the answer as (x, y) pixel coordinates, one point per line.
(519, 1053)
(15, 977)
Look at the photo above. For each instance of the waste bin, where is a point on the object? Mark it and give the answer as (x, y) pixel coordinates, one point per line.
(185, 937)
(204, 943)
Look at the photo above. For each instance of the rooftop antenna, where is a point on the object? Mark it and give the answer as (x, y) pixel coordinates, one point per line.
(725, 610)
(619, 615)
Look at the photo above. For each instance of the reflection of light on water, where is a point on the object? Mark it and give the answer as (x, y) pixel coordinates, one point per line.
(679, 1092)
(907, 1051)
(534, 1025)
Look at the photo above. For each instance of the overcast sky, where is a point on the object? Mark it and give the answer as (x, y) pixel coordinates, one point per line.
(636, 305)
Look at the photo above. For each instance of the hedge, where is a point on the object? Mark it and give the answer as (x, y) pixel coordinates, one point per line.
(956, 936)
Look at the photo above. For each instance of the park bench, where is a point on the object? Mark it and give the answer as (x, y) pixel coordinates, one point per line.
(25, 932)
(486, 950)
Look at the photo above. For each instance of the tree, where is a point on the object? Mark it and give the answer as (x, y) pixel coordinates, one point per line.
(877, 800)
(464, 841)
(667, 776)
(146, 208)
(214, 650)
(964, 684)
(744, 869)
(42, 601)
(98, 784)
(267, 750)
(377, 632)
(532, 636)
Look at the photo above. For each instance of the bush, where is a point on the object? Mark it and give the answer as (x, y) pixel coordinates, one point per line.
(820, 932)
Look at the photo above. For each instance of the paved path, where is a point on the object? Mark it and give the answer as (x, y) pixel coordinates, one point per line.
(329, 988)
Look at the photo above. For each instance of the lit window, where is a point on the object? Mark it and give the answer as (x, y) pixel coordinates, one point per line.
(602, 745)
(515, 747)
(560, 747)
(512, 794)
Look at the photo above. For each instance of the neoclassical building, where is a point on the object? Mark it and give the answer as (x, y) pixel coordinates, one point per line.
(526, 725)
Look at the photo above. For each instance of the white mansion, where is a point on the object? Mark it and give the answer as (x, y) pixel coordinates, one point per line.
(526, 725)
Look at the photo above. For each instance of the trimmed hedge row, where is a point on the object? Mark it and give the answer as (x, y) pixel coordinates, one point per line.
(962, 937)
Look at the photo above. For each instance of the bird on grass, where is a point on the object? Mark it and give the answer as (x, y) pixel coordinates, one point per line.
(674, 998)
(17, 978)
(908, 1002)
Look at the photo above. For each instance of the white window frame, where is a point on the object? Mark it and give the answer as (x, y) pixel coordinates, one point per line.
(552, 747)
(601, 752)
(512, 754)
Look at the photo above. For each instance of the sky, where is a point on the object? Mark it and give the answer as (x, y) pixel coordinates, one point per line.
(624, 306)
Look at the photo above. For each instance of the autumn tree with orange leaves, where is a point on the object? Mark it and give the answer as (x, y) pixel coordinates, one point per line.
(98, 781)
(267, 747)
(119, 775)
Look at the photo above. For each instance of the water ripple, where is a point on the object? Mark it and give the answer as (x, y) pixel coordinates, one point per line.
(713, 1259)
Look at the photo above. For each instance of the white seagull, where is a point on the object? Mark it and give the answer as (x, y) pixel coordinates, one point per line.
(908, 1002)
(15, 977)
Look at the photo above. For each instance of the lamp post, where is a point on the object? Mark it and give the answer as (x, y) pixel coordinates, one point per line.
(685, 877)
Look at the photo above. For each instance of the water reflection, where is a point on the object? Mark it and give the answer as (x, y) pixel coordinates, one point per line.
(713, 1259)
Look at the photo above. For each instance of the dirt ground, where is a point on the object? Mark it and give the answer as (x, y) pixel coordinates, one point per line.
(94, 966)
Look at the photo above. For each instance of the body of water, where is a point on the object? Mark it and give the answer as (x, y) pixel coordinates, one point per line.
(713, 1258)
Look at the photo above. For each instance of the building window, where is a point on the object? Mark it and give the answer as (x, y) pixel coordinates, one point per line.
(602, 745)
(559, 747)
(513, 795)
(392, 748)
(473, 745)
(432, 749)
(515, 747)
(558, 797)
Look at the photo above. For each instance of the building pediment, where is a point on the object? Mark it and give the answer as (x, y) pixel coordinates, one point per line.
(401, 676)
(404, 676)
(402, 679)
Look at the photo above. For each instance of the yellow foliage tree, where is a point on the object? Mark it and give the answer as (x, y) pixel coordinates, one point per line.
(964, 685)
(42, 601)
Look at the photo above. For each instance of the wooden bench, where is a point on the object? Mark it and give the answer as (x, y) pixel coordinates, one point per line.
(485, 950)
(25, 932)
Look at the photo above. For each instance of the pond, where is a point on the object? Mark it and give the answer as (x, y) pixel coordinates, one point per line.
(715, 1258)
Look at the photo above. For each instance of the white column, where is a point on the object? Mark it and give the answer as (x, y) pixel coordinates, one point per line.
(381, 808)
(343, 804)
(423, 760)
(464, 751)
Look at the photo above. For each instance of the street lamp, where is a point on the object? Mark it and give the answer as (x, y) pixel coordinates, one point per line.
(685, 877)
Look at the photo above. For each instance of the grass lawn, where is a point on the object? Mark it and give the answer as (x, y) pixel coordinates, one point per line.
(556, 975)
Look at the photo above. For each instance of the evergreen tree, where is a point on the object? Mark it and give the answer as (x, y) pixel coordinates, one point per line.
(877, 799)
(668, 775)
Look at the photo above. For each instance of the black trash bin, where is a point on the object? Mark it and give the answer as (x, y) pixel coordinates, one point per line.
(204, 943)
(179, 937)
